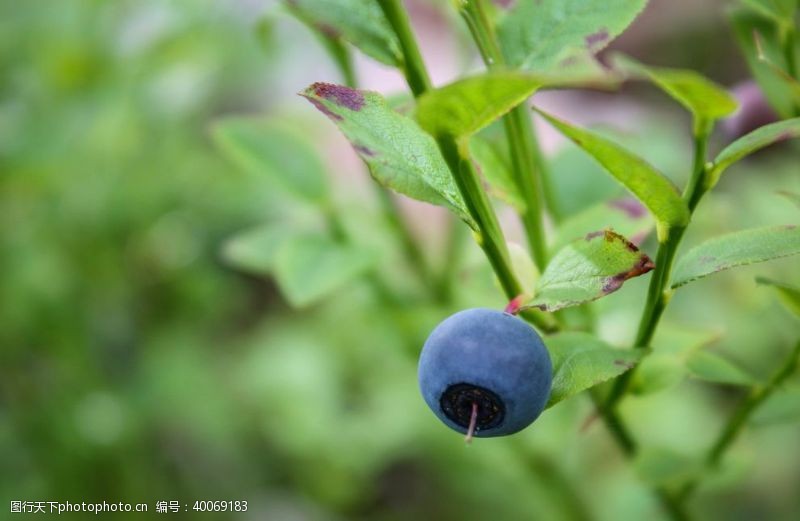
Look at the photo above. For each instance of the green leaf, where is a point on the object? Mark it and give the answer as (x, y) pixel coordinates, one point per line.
(588, 269)
(788, 293)
(496, 169)
(713, 367)
(782, 407)
(651, 187)
(311, 267)
(524, 267)
(706, 100)
(466, 106)
(663, 467)
(255, 250)
(778, 92)
(625, 216)
(752, 142)
(360, 22)
(666, 366)
(265, 147)
(791, 196)
(581, 361)
(539, 35)
(399, 154)
(736, 249)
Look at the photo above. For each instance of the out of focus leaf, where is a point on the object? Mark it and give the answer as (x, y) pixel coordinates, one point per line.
(581, 361)
(713, 367)
(587, 269)
(360, 22)
(666, 366)
(782, 407)
(664, 467)
(706, 100)
(399, 154)
(625, 216)
(746, 24)
(736, 249)
(255, 250)
(524, 267)
(496, 169)
(466, 106)
(311, 267)
(789, 294)
(753, 142)
(791, 196)
(651, 187)
(267, 148)
(539, 35)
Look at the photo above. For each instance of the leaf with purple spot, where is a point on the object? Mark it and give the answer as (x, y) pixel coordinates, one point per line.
(541, 35)
(736, 249)
(651, 187)
(588, 269)
(624, 215)
(399, 154)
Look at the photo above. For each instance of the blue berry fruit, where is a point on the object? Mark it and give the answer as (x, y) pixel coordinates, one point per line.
(487, 368)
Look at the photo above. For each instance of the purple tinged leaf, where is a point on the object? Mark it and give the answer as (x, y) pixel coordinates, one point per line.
(588, 269)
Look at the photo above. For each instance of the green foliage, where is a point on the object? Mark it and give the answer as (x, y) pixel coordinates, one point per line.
(588, 269)
(581, 361)
(665, 367)
(706, 100)
(539, 35)
(712, 367)
(464, 107)
(752, 142)
(254, 250)
(654, 190)
(399, 154)
(736, 249)
(761, 31)
(781, 407)
(267, 148)
(625, 215)
(359, 22)
(495, 166)
(788, 293)
(310, 267)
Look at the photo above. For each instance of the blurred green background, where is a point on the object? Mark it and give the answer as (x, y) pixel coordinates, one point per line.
(137, 365)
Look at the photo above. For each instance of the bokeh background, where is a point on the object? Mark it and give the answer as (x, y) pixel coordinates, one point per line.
(137, 364)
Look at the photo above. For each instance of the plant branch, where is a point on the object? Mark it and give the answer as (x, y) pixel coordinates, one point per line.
(525, 155)
(659, 293)
(413, 65)
(738, 419)
(489, 234)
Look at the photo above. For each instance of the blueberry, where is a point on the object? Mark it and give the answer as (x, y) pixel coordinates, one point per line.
(489, 364)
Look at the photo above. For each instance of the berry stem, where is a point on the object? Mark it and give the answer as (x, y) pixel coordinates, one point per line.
(473, 420)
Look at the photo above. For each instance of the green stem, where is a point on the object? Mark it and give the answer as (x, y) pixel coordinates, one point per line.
(659, 293)
(413, 66)
(525, 156)
(490, 235)
(738, 419)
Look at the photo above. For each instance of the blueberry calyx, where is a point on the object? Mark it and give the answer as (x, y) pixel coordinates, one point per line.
(458, 399)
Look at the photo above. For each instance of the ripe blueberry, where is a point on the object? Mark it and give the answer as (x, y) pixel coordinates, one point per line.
(488, 368)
